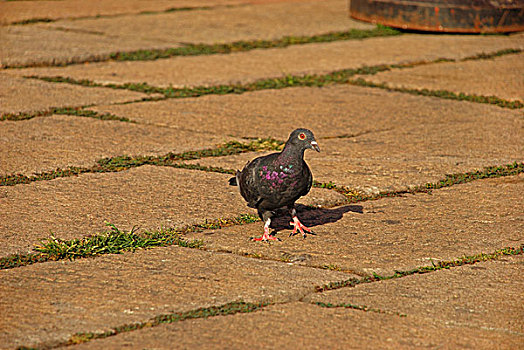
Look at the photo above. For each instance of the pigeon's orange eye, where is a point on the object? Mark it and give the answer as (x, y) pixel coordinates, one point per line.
(302, 136)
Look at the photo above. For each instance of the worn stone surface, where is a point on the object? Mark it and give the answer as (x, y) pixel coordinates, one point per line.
(484, 296)
(382, 147)
(395, 233)
(401, 159)
(46, 143)
(340, 110)
(61, 41)
(264, 21)
(306, 326)
(299, 59)
(494, 77)
(147, 197)
(39, 44)
(57, 299)
(19, 95)
(371, 140)
(17, 11)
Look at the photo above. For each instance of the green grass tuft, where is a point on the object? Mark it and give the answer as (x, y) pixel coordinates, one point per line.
(116, 241)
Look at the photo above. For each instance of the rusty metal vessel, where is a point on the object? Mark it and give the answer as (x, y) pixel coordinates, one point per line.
(453, 16)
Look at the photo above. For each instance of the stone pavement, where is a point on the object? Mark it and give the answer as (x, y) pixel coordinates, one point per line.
(133, 114)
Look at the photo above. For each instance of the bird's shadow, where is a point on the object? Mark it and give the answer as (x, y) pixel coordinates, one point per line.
(312, 217)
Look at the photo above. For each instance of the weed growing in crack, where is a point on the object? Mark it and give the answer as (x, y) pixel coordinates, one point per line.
(353, 196)
(449, 95)
(73, 111)
(121, 163)
(242, 46)
(212, 49)
(314, 80)
(60, 249)
(213, 311)
(466, 260)
(116, 241)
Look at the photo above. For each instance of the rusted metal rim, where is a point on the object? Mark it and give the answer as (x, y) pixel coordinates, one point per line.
(452, 16)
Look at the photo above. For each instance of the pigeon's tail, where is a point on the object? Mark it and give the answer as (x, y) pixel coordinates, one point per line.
(234, 180)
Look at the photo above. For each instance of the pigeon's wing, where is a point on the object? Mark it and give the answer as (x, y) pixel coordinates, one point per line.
(249, 187)
(307, 182)
(299, 187)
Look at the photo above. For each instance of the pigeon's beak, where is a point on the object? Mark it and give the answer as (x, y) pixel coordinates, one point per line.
(314, 144)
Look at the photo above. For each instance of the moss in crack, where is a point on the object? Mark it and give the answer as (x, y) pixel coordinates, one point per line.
(212, 49)
(449, 95)
(242, 46)
(441, 265)
(199, 167)
(24, 115)
(315, 80)
(212, 311)
(121, 163)
(486, 56)
(465, 260)
(72, 111)
(80, 112)
(358, 307)
(353, 196)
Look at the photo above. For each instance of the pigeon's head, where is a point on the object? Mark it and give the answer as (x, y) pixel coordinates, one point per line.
(303, 139)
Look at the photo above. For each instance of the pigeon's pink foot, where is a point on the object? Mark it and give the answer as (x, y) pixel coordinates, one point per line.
(265, 237)
(298, 226)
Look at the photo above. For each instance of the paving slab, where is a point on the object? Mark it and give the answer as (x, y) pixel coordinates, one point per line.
(299, 59)
(494, 77)
(393, 140)
(403, 158)
(19, 95)
(18, 11)
(306, 326)
(226, 24)
(329, 111)
(57, 299)
(72, 41)
(38, 44)
(394, 233)
(147, 197)
(46, 143)
(483, 296)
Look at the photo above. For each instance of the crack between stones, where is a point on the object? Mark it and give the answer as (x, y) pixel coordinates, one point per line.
(317, 80)
(58, 249)
(243, 307)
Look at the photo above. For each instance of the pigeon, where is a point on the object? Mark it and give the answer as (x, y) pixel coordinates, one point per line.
(277, 181)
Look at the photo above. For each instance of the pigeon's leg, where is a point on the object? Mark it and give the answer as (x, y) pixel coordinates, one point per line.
(266, 236)
(298, 226)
